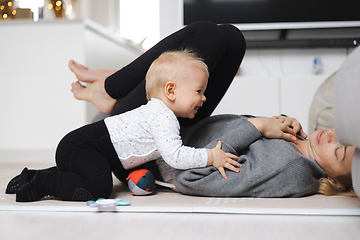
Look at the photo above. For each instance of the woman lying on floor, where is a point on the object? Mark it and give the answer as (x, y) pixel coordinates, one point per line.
(270, 167)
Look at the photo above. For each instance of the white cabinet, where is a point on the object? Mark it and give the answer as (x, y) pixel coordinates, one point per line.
(36, 104)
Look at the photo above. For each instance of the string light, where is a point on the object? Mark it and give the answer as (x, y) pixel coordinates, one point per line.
(7, 8)
(68, 10)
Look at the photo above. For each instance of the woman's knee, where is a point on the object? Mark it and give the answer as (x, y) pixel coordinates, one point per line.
(210, 32)
(235, 38)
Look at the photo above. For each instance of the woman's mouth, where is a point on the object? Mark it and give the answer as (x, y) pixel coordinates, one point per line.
(319, 136)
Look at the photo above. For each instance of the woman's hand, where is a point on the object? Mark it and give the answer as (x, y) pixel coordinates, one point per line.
(293, 123)
(278, 127)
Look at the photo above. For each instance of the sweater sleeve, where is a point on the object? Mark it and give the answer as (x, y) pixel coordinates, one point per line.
(235, 131)
(240, 137)
(166, 134)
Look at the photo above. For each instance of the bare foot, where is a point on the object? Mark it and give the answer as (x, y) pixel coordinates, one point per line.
(94, 93)
(83, 74)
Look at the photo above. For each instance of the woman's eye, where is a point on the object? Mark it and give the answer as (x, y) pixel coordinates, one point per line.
(337, 151)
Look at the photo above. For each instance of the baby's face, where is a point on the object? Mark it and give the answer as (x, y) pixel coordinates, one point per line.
(190, 92)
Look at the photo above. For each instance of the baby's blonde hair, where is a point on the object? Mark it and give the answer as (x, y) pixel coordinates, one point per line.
(169, 67)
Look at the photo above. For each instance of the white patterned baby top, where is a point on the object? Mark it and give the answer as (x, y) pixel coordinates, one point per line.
(149, 132)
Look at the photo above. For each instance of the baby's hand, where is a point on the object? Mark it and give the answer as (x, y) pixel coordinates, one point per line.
(273, 128)
(220, 159)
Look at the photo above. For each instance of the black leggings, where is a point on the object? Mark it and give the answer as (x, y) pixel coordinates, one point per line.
(221, 47)
(85, 157)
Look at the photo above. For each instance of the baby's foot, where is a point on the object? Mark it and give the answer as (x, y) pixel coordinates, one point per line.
(17, 182)
(94, 93)
(30, 191)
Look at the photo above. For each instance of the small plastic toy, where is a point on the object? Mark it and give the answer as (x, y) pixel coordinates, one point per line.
(107, 203)
(141, 182)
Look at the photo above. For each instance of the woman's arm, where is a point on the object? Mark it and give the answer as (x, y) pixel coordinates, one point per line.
(278, 127)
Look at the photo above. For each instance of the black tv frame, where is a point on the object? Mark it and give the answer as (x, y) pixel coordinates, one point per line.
(283, 27)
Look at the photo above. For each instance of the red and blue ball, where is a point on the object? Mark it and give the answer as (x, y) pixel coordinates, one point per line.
(141, 182)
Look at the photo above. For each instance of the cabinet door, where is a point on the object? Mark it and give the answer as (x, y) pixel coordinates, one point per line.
(296, 95)
(251, 95)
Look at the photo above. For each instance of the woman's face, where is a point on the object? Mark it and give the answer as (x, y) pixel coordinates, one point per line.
(334, 158)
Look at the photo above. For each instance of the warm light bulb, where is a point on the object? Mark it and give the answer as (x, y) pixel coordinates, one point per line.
(2, 7)
(50, 6)
(5, 15)
(9, 4)
(58, 8)
(58, 3)
(13, 12)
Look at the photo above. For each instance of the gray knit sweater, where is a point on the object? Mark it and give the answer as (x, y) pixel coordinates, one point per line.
(270, 167)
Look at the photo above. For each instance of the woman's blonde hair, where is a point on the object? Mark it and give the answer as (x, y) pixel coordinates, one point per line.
(170, 66)
(329, 188)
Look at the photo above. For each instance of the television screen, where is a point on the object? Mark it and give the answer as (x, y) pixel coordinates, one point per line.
(328, 12)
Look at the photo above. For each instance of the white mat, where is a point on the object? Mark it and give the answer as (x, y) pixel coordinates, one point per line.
(166, 201)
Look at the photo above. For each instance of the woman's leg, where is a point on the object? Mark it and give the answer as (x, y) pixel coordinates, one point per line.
(222, 73)
(221, 47)
(84, 170)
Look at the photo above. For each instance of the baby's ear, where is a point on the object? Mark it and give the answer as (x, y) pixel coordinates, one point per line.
(170, 90)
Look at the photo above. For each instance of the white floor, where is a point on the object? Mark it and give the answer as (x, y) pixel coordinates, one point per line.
(150, 225)
(80, 225)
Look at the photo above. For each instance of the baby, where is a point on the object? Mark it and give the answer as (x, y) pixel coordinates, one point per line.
(87, 156)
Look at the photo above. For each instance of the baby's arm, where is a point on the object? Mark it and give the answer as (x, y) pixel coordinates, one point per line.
(220, 159)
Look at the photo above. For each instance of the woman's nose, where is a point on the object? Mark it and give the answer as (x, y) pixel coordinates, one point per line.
(331, 135)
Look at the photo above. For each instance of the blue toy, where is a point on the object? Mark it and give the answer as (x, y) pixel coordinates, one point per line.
(141, 182)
